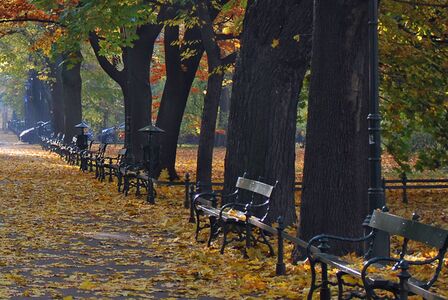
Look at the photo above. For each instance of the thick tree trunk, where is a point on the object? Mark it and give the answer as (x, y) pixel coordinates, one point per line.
(57, 99)
(137, 98)
(37, 100)
(71, 92)
(179, 79)
(134, 83)
(334, 196)
(274, 57)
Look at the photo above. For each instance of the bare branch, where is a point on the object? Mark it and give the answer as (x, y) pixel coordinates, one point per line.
(104, 63)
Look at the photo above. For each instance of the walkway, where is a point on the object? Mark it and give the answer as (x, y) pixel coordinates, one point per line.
(65, 235)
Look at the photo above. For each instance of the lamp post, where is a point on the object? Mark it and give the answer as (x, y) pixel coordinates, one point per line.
(82, 138)
(150, 130)
(82, 143)
(375, 192)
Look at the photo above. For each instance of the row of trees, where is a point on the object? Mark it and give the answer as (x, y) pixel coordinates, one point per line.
(271, 46)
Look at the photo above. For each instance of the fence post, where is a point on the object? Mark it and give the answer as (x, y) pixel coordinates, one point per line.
(280, 268)
(404, 181)
(192, 192)
(403, 277)
(187, 191)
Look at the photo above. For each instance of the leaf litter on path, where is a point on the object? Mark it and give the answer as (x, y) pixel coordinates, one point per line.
(64, 235)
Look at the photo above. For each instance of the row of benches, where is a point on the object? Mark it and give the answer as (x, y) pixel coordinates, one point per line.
(240, 216)
(106, 166)
(243, 212)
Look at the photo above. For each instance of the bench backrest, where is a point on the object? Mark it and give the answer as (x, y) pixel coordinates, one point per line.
(121, 155)
(122, 152)
(254, 186)
(102, 149)
(255, 193)
(410, 229)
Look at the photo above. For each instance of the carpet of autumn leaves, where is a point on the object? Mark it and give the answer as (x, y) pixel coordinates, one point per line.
(64, 235)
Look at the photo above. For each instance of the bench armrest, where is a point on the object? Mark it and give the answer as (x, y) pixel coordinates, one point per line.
(384, 282)
(320, 237)
(213, 195)
(259, 205)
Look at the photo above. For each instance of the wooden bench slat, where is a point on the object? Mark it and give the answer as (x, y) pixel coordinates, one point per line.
(413, 230)
(254, 186)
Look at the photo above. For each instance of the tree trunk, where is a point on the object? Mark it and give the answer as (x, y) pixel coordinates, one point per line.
(134, 83)
(208, 127)
(71, 92)
(274, 57)
(224, 106)
(57, 100)
(137, 97)
(335, 182)
(37, 100)
(29, 99)
(211, 101)
(179, 79)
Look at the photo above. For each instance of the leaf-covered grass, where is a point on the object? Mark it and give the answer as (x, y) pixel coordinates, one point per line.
(65, 235)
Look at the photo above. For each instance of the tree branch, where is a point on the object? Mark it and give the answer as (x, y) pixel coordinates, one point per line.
(225, 37)
(420, 3)
(104, 63)
(229, 59)
(208, 36)
(31, 20)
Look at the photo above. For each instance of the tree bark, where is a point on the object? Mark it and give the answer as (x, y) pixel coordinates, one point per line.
(179, 79)
(134, 83)
(335, 182)
(57, 100)
(275, 54)
(37, 100)
(211, 101)
(137, 90)
(71, 93)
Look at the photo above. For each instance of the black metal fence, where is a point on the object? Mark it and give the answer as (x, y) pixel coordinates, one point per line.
(406, 184)
(403, 184)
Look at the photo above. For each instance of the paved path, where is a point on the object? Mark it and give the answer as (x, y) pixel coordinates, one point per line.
(65, 235)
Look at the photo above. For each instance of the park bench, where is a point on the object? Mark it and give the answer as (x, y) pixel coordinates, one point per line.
(373, 284)
(136, 175)
(46, 141)
(92, 158)
(246, 206)
(110, 166)
(71, 150)
(56, 143)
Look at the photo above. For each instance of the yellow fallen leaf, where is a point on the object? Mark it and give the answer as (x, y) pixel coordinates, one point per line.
(87, 285)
